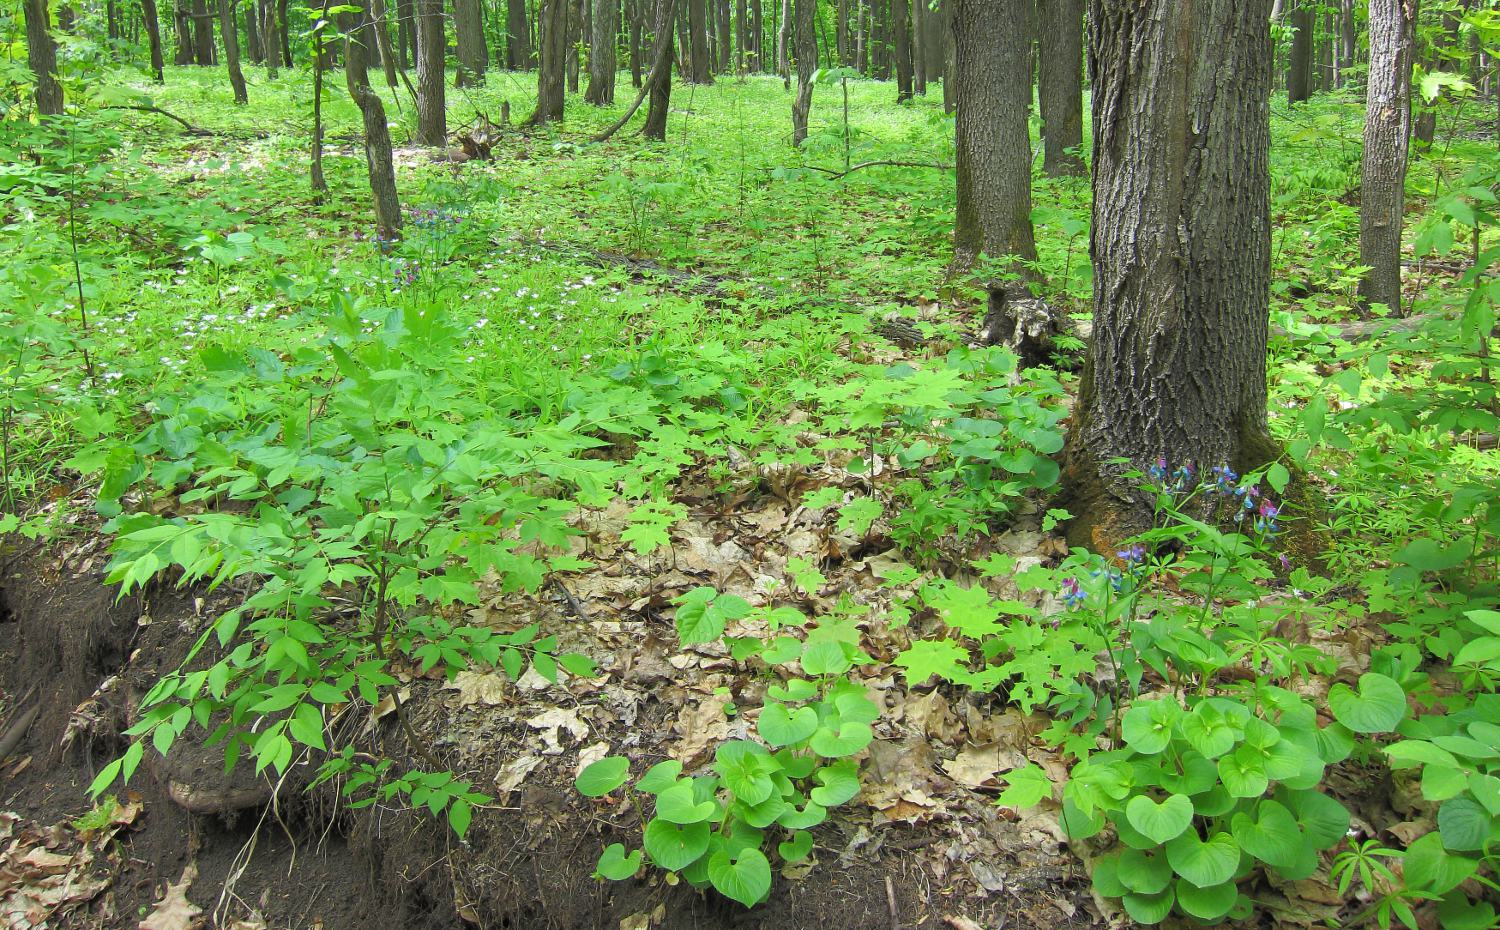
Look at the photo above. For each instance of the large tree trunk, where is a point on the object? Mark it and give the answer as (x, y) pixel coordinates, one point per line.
(203, 35)
(432, 117)
(473, 56)
(699, 72)
(992, 146)
(659, 82)
(1060, 75)
(602, 65)
(41, 54)
(1383, 172)
(901, 36)
(153, 36)
(1176, 369)
(232, 51)
(517, 37)
(552, 41)
(378, 158)
(807, 63)
(1300, 61)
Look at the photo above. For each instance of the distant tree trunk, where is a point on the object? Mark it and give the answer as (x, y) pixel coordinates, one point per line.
(919, 16)
(517, 36)
(283, 33)
(726, 56)
(783, 35)
(182, 34)
(741, 39)
(41, 54)
(1383, 172)
(406, 32)
(950, 60)
(1299, 63)
(861, 37)
(252, 33)
(378, 157)
(575, 11)
(1060, 37)
(659, 82)
(992, 145)
(232, 51)
(387, 56)
(1176, 368)
(1348, 40)
(1435, 59)
(807, 63)
(756, 58)
(841, 32)
(698, 64)
(153, 36)
(901, 34)
(934, 39)
(203, 34)
(602, 64)
(473, 56)
(637, 53)
(552, 41)
(432, 117)
(316, 180)
(269, 37)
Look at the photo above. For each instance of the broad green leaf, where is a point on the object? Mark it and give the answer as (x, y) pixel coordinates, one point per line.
(1149, 909)
(675, 848)
(1144, 873)
(745, 877)
(1204, 863)
(1207, 904)
(679, 804)
(660, 776)
(1160, 822)
(797, 848)
(1147, 726)
(1427, 866)
(1271, 835)
(839, 781)
(1377, 707)
(600, 778)
(615, 865)
(1323, 820)
(1464, 825)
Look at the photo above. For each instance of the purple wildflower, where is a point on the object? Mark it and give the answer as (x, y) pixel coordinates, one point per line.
(1072, 593)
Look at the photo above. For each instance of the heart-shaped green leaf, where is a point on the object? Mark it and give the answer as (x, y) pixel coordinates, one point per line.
(1464, 824)
(1377, 707)
(600, 778)
(1160, 822)
(1147, 726)
(797, 848)
(1207, 904)
(781, 727)
(1149, 909)
(746, 877)
(840, 782)
(850, 738)
(679, 804)
(1272, 835)
(1323, 820)
(660, 777)
(1204, 863)
(615, 865)
(1431, 868)
(810, 815)
(746, 768)
(1243, 773)
(675, 848)
(1143, 873)
(1104, 874)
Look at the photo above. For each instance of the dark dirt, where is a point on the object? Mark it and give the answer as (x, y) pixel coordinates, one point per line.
(528, 859)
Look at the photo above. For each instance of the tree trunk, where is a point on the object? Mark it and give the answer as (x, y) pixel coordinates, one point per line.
(950, 60)
(1176, 369)
(741, 39)
(726, 56)
(841, 32)
(283, 33)
(575, 12)
(992, 147)
(517, 37)
(406, 32)
(1383, 171)
(919, 17)
(698, 65)
(112, 19)
(1348, 41)
(659, 82)
(473, 56)
(1299, 62)
(807, 63)
(861, 37)
(432, 118)
(41, 54)
(232, 51)
(153, 36)
(552, 41)
(1060, 37)
(602, 65)
(252, 33)
(382, 33)
(934, 39)
(203, 35)
(637, 53)
(182, 33)
(269, 37)
(378, 158)
(901, 44)
(756, 60)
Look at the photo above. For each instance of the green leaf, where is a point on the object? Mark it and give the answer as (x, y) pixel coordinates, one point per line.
(1464, 824)
(460, 813)
(1147, 726)
(1322, 819)
(1378, 706)
(679, 804)
(660, 776)
(743, 766)
(675, 848)
(615, 865)
(1143, 873)
(1207, 904)
(1160, 822)
(600, 778)
(851, 737)
(927, 657)
(1272, 835)
(1429, 867)
(1244, 773)
(745, 877)
(1105, 876)
(1204, 863)
(1277, 477)
(797, 848)
(1025, 787)
(1149, 909)
(1420, 752)
(840, 782)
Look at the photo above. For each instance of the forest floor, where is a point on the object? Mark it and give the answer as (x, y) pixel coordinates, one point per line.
(728, 301)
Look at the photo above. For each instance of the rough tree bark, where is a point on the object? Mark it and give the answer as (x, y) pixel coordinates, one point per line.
(1383, 170)
(203, 34)
(473, 56)
(950, 60)
(232, 51)
(517, 38)
(252, 33)
(602, 64)
(406, 19)
(919, 17)
(807, 63)
(269, 36)
(378, 158)
(1300, 61)
(901, 43)
(153, 36)
(1060, 79)
(783, 34)
(552, 42)
(699, 71)
(659, 82)
(992, 146)
(1176, 369)
(382, 34)
(182, 31)
(41, 54)
(432, 118)
(576, 11)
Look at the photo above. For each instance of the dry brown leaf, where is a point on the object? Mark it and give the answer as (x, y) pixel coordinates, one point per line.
(478, 688)
(513, 773)
(977, 766)
(553, 719)
(698, 727)
(174, 911)
(589, 756)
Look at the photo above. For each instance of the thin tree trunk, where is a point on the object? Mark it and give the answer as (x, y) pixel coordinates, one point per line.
(432, 118)
(1348, 41)
(1383, 171)
(283, 33)
(1176, 369)
(861, 37)
(552, 41)
(602, 64)
(950, 60)
(378, 158)
(919, 15)
(637, 53)
(269, 38)
(473, 56)
(1060, 37)
(317, 181)
(1299, 63)
(41, 54)
(575, 14)
(406, 33)
(901, 47)
(992, 146)
(741, 39)
(517, 39)
(252, 33)
(232, 51)
(383, 44)
(659, 83)
(841, 32)
(756, 60)
(783, 33)
(153, 36)
(807, 63)
(726, 56)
